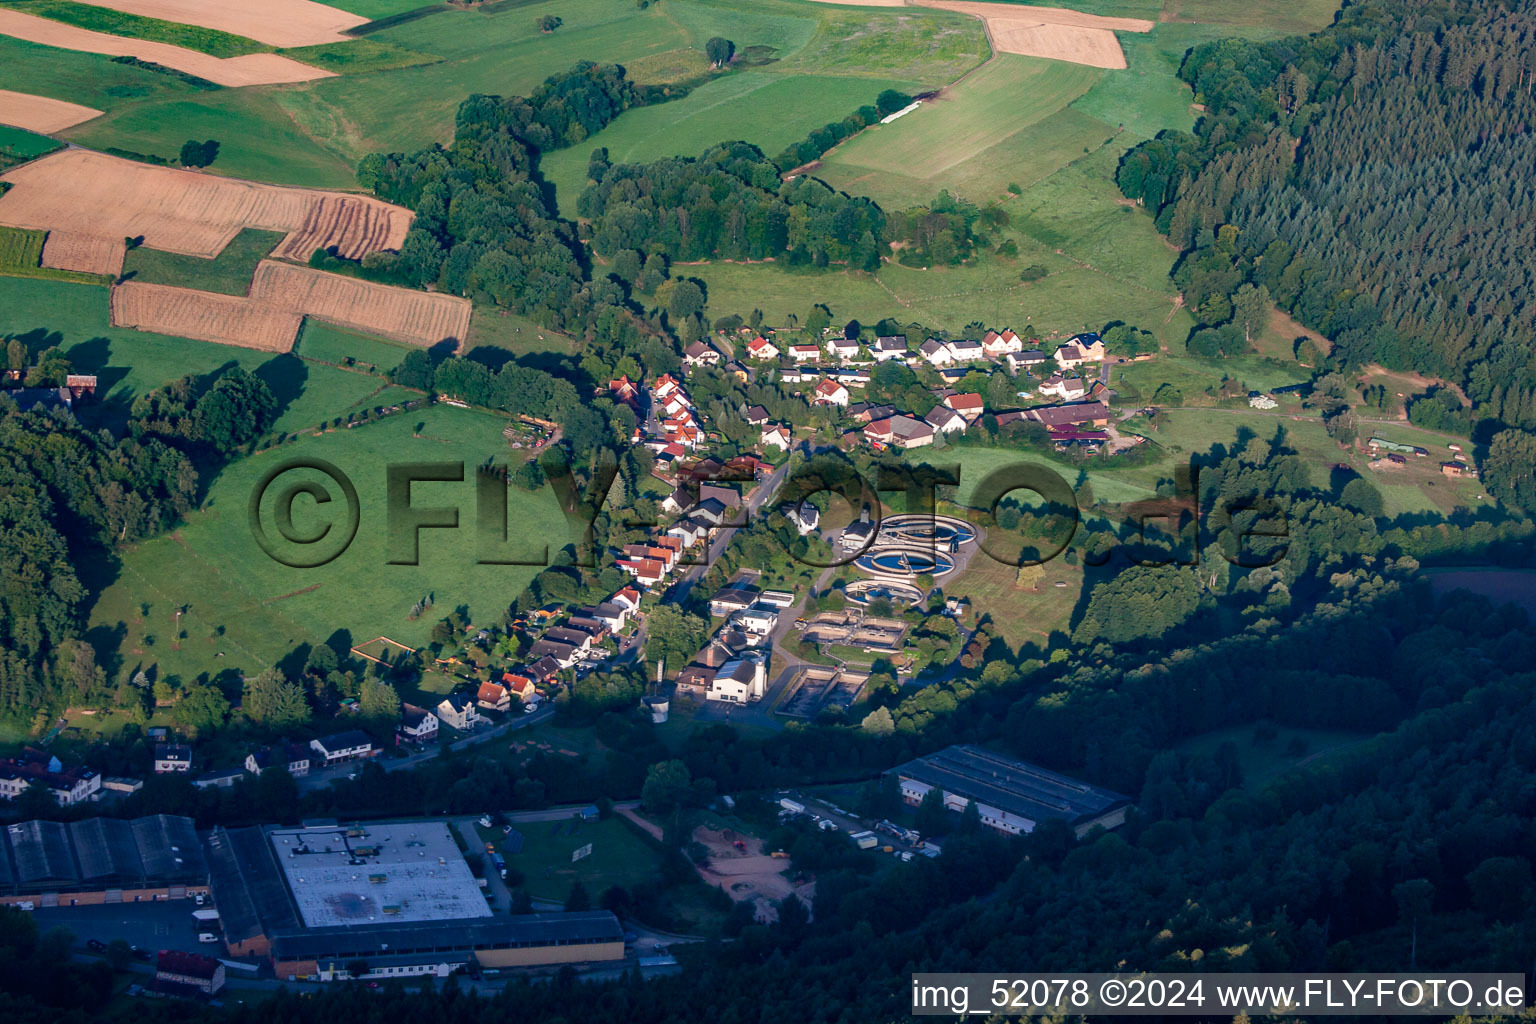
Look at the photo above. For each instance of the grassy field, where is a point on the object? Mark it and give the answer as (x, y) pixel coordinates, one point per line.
(331, 344)
(619, 856)
(134, 26)
(229, 272)
(24, 145)
(768, 109)
(960, 140)
(358, 56)
(87, 78)
(493, 327)
(1023, 615)
(378, 8)
(257, 139)
(244, 610)
(1278, 16)
(21, 251)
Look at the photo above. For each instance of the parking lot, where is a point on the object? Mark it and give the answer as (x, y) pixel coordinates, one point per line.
(167, 924)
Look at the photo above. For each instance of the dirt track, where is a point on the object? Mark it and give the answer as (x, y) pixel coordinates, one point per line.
(274, 22)
(40, 113)
(251, 69)
(77, 192)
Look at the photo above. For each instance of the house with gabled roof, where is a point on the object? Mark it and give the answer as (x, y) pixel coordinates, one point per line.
(777, 436)
(841, 347)
(761, 348)
(829, 393)
(945, 420)
(888, 347)
(936, 352)
(969, 405)
(804, 353)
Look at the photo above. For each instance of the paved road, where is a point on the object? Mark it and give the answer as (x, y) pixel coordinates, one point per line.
(721, 539)
(323, 777)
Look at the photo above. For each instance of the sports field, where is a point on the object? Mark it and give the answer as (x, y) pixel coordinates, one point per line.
(244, 610)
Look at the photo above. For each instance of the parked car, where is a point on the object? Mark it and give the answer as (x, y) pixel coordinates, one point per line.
(96, 946)
(827, 825)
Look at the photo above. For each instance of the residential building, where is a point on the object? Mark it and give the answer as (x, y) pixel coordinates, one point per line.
(731, 599)
(856, 536)
(459, 711)
(741, 680)
(863, 412)
(945, 420)
(965, 351)
(804, 353)
(613, 614)
(701, 354)
(1011, 796)
(343, 746)
(888, 347)
(294, 757)
(172, 758)
(520, 687)
(417, 725)
(573, 637)
(762, 348)
(829, 393)
(629, 597)
(936, 352)
(840, 347)
(757, 619)
(899, 432)
(1089, 415)
(1021, 361)
(805, 516)
(1065, 388)
(999, 346)
(690, 531)
(970, 406)
(1082, 348)
(712, 511)
(756, 416)
(647, 571)
(564, 655)
(493, 697)
(69, 786)
(776, 436)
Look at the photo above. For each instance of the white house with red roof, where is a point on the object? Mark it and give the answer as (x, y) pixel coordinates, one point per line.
(829, 392)
(968, 405)
(804, 353)
(776, 435)
(761, 348)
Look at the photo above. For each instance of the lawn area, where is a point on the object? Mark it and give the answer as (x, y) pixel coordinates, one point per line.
(619, 856)
(229, 272)
(1023, 616)
(761, 106)
(244, 610)
(1112, 485)
(257, 139)
(958, 140)
(134, 26)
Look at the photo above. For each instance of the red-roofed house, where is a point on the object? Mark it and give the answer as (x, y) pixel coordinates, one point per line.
(493, 696)
(829, 393)
(761, 348)
(177, 972)
(779, 437)
(804, 353)
(968, 405)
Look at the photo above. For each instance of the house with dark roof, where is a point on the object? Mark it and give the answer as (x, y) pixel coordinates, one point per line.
(459, 711)
(417, 725)
(343, 746)
(1079, 414)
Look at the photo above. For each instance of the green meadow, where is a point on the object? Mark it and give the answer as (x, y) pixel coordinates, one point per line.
(229, 272)
(768, 109)
(243, 610)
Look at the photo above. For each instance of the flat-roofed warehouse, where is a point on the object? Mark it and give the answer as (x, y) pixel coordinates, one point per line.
(1011, 796)
(397, 896)
(101, 860)
(438, 947)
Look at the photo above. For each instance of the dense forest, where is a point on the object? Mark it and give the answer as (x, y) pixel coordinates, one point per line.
(1375, 180)
(729, 203)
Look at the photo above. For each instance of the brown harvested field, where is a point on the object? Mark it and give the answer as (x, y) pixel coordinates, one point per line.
(89, 254)
(866, 3)
(41, 114)
(274, 22)
(1052, 32)
(78, 192)
(204, 316)
(420, 318)
(251, 69)
(281, 296)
